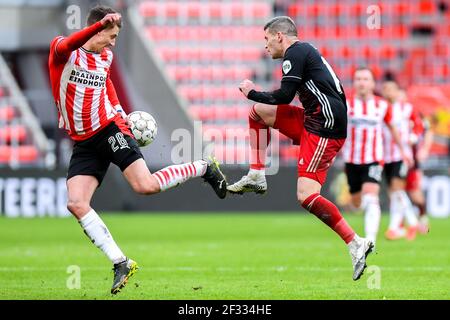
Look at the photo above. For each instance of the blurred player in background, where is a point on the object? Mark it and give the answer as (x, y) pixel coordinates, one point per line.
(363, 151)
(92, 116)
(421, 143)
(408, 125)
(320, 128)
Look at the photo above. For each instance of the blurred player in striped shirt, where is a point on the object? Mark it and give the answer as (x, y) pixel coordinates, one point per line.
(363, 150)
(421, 145)
(409, 126)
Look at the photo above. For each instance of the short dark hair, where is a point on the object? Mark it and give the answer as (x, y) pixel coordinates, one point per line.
(282, 24)
(361, 68)
(98, 12)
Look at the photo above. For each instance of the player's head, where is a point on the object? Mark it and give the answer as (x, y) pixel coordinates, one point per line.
(106, 37)
(278, 33)
(390, 90)
(363, 82)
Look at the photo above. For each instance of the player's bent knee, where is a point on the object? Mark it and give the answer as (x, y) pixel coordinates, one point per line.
(302, 195)
(266, 113)
(77, 208)
(147, 187)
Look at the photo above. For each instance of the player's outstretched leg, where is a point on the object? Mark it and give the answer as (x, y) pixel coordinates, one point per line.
(122, 272)
(143, 182)
(99, 234)
(215, 178)
(308, 193)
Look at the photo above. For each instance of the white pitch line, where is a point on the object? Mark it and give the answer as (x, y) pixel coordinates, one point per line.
(230, 269)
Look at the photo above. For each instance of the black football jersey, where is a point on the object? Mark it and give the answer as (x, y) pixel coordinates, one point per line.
(318, 89)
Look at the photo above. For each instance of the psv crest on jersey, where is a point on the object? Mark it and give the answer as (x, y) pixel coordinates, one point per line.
(286, 66)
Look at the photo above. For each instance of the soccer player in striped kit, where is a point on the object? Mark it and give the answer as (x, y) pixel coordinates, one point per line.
(408, 124)
(363, 150)
(90, 112)
(320, 128)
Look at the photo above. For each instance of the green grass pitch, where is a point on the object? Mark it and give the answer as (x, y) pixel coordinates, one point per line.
(219, 256)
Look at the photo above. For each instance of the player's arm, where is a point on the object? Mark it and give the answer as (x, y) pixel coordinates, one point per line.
(425, 147)
(284, 95)
(112, 96)
(293, 66)
(396, 136)
(65, 46)
(418, 128)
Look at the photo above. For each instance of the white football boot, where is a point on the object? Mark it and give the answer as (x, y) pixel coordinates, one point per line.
(252, 182)
(359, 250)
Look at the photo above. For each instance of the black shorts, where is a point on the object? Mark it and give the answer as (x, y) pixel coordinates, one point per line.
(358, 174)
(396, 169)
(92, 157)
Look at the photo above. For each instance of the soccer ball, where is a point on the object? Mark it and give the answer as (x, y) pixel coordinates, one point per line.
(143, 126)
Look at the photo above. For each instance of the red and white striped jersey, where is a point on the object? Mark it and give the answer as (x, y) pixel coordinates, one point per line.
(80, 88)
(364, 130)
(403, 118)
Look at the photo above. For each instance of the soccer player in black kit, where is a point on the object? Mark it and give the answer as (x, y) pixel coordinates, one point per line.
(319, 128)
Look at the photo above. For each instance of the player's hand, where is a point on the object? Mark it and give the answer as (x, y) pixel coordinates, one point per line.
(111, 18)
(246, 86)
(407, 160)
(120, 111)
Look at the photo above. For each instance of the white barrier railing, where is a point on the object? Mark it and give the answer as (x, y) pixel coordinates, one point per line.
(27, 118)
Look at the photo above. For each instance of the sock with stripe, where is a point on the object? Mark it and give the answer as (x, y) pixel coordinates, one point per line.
(259, 140)
(326, 211)
(98, 233)
(175, 175)
(372, 215)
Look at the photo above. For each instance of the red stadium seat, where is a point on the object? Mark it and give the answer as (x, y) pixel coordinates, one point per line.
(172, 9)
(335, 10)
(402, 8)
(294, 10)
(149, 9)
(426, 7)
(445, 71)
(191, 93)
(358, 10)
(7, 113)
(16, 133)
(236, 9)
(314, 10)
(260, 9)
(347, 52)
(194, 9)
(24, 154)
(367, 52)
(388, 52)
(215, 10)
